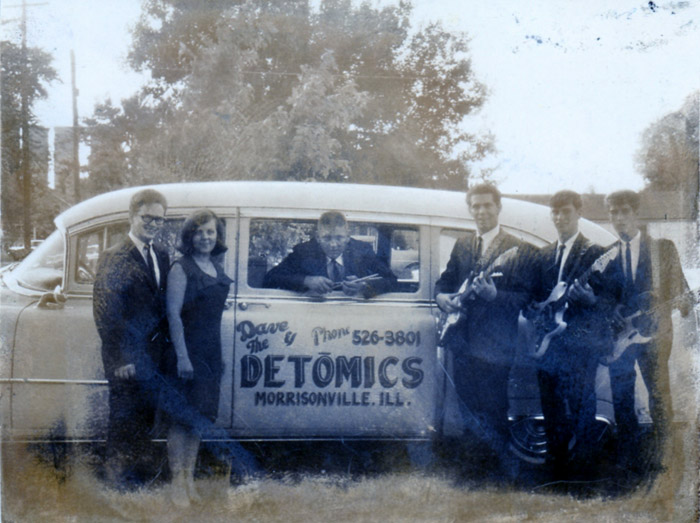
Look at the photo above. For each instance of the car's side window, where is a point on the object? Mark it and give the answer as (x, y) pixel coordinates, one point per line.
(90, 245)
(89, 249)
(448, 238)
(271, 240)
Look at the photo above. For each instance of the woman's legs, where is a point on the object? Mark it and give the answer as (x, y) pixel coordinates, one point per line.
(183, 446)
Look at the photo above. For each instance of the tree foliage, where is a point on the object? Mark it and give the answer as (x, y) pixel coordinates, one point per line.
(275, 90)
(39, 74)
(668, 158)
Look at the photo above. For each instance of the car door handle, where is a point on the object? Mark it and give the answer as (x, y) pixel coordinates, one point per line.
(245, 305)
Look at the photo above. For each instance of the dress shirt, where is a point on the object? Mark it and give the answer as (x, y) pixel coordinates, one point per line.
(567, 249)
(141, 246)
(635, 244)
(487, 238)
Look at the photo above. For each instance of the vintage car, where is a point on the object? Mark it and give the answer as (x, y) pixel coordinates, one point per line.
(297, 367)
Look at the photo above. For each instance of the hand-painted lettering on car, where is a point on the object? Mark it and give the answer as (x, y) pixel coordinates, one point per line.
(325, 370)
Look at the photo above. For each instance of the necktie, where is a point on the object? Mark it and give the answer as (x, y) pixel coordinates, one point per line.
(560, 255)
(559, 259)
(149, 262)
(336, 272)
(479, 246)
(628, 265)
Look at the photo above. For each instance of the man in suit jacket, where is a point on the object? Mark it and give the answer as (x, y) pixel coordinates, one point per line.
(483, 343)
(332, 260)
(567, 370)
(650, 279)
(129, 312)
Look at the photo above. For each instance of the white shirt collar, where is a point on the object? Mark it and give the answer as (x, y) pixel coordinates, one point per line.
(634, 241)
(339, 259)
(488, 237)
(140, 245)
(568, 243)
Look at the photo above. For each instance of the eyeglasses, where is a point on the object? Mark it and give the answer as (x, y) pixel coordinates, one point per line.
(149, 219)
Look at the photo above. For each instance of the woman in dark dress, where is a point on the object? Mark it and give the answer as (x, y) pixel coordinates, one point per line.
(196, 295)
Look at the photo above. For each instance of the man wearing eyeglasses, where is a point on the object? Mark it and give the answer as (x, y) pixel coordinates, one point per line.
(129, 312)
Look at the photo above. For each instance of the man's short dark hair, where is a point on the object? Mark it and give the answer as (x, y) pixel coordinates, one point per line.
(623, 197)
(485, 188)
(192, 223)
(332, 219)
(146, 197)
(561, 198)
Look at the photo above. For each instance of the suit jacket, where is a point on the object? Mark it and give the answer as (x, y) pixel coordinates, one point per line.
(308, 259)
(129, 310)
(490, 329)
(588, 331)
(644, 294)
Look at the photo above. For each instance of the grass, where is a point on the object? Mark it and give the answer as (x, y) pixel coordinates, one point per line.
(301, 485)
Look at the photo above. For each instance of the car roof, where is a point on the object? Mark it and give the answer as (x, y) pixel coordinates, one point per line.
(428, 203)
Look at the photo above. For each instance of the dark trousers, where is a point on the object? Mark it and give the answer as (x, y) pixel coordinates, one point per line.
(568, 400)
(132, 409)
(653, 364)
(482, 388)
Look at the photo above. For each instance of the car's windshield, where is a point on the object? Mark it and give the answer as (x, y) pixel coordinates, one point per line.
(42, 270)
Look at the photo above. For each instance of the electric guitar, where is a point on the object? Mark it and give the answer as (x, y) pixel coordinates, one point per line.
(546, 318)
(629, 334)
(447, 321)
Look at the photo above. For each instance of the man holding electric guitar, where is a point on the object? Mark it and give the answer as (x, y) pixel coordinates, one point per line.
(650, 282)
(481, 292)
(570, 295)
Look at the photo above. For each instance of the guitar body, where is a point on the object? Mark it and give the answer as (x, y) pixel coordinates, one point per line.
(447, 322)
(546, 326)
(547, 317)
(628, 336)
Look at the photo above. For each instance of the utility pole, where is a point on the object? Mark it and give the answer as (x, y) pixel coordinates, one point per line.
(26, 153)
(76, 131)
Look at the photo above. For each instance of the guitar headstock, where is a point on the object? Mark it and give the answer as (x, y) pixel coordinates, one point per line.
(604, 260)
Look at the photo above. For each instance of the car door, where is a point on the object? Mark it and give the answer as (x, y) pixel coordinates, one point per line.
(58, 386)
(337, 366)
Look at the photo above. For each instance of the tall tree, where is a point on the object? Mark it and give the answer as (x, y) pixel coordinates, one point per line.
(276, 90)
(668, 157)
(39, 75)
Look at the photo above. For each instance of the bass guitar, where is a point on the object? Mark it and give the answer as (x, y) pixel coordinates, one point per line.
(546, 318)
(447, 321)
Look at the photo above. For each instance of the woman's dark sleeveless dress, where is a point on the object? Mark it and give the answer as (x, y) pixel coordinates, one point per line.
(205, 297)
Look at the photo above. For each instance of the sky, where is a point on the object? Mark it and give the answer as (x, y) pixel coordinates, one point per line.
(572, 85)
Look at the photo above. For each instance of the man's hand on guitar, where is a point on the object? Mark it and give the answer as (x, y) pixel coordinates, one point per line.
(448, 303)
(582, 293)
(618, 318)
(484, 288)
